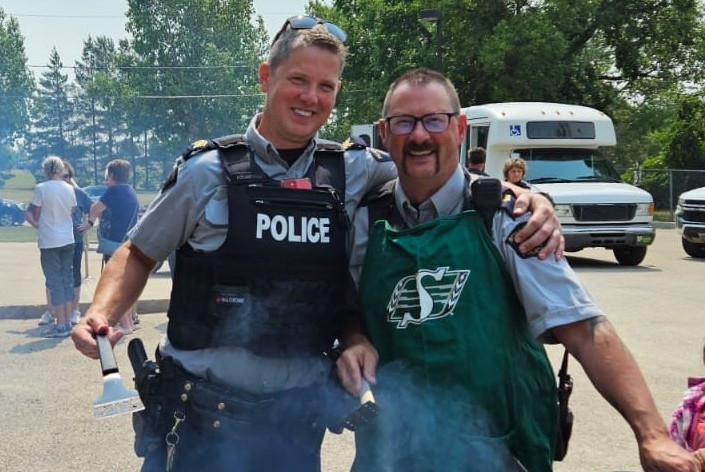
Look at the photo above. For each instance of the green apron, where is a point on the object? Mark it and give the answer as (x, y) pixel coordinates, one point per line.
(462, 386)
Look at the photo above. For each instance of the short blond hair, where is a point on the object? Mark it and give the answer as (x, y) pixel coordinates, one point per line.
(52, 165)
(291, 38)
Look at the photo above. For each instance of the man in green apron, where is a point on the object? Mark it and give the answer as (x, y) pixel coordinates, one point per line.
(456, 316)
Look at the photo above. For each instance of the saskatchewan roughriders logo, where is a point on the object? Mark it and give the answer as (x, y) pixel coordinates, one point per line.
(427, 295)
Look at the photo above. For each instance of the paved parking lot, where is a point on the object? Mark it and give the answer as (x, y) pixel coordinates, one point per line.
(48, 389)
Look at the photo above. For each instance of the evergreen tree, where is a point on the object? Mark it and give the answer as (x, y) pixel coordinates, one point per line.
(16, 86)
(201, 59)
(100, 103)
(52, 110)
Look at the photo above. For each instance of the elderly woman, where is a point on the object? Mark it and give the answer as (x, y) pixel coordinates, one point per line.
(51, 212)
(514, 171)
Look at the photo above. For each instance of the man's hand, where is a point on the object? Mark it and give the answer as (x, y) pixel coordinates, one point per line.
(663, 455)
(83, 334)
(542, 227)
(700, 456)
(119, 286)
(358, 360)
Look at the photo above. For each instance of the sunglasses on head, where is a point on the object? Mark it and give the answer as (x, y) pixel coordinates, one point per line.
(308, 22)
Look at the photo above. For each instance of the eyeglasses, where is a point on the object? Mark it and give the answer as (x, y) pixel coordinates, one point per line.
(308, 22)
(401, 125)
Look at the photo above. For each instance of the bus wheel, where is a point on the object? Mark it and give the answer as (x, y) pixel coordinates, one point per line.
(630, 255)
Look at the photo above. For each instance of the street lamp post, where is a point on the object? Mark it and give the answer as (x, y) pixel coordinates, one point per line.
(434, 16)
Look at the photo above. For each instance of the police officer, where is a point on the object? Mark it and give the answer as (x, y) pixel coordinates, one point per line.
(259, 222)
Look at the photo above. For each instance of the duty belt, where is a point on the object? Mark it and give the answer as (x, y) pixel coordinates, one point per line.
(207, 404)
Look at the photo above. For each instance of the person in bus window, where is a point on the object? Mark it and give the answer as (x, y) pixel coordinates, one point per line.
(514, 172)
(476, 161)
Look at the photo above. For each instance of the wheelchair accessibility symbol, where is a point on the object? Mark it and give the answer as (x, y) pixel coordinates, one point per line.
(514, 130)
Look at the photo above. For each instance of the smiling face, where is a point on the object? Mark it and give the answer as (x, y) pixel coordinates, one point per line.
(301, 94)
(424, 160)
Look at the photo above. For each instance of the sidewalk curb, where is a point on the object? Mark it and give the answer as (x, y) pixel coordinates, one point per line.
(28, 312)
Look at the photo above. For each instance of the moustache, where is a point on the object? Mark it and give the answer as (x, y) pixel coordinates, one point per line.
(419, 148)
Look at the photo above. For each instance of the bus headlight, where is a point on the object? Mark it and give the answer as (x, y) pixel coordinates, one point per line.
(645, 209)
(563, 211)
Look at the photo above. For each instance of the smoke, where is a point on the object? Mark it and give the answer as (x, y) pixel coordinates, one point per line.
(424, 428)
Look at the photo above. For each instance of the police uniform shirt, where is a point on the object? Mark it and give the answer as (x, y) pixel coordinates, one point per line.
(550, 291)
(195, 210)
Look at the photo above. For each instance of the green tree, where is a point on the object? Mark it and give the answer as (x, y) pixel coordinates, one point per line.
(203, 57)
(52, 110)
(385, 39)
(16, 83)
(642, 129)
(100, 104)
(686, 147)
(595, 52)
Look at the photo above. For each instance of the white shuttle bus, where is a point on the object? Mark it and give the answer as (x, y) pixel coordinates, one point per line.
(564, 149)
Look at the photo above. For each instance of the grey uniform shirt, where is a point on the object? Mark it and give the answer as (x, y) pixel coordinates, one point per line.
(195, 210)
(550, 291)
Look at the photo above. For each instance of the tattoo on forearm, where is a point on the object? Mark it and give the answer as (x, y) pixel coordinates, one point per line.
(595, 323)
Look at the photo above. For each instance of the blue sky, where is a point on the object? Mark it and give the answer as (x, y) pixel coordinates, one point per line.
(65, 24)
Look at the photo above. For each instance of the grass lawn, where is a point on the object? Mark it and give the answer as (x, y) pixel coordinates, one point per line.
(27, 234)
(21, 186)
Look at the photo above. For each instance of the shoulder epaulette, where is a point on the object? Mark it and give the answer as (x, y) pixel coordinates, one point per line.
(380, 192)
(327, 145)
(196, 147)
(379, 155)
(202, 145)
(229, 141)
(354, 143)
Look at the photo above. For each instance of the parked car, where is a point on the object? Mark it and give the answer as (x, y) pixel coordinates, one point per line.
(690, 221)
(95, 191)
(11, 213)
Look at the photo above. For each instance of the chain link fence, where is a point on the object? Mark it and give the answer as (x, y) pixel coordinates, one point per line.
(665, 185)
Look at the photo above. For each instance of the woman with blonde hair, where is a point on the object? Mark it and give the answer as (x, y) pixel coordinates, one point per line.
(50, 211)
(514, 172)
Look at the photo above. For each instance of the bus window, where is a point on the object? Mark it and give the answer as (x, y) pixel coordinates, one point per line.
(477, 136)
(567, 165)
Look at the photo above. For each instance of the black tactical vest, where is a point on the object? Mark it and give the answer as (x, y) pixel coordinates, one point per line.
(277, 284)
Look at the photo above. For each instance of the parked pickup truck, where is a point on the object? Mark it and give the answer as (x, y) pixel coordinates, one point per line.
(690, 221)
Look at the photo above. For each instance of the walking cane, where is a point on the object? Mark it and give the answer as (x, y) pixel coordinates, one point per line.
(85, 253)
